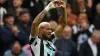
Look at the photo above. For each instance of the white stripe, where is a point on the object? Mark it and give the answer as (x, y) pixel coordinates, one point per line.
(36, 48)
(2, 12)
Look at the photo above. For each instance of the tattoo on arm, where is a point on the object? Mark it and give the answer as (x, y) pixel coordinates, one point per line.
(37, 20)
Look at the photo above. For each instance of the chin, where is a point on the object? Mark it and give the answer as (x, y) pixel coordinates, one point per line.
(48, 37)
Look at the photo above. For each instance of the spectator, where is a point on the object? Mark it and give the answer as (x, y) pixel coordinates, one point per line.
(3, 7)
(34, 6)
(53, 24)
(2, 12)
(24, 25)
(89, 3)
(16, 50)
(90, 47)
(97, 17)
(65, 46)
(71, 17)
(15, 10)
(28, 48)
(4, 4)
(82, 30)
(41, 39)
(82, 7)
(8, 33)
(95, 2)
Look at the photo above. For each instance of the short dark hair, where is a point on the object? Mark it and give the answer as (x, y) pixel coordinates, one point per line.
(7, 15)
(23, 11)
(19, 41)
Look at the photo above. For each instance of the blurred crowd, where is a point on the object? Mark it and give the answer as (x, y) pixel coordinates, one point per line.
(83, 17)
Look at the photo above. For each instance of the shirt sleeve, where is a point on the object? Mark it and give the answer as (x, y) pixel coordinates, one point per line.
(31, 39)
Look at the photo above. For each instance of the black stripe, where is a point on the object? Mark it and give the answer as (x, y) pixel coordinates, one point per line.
(42, 48)
(48, 54)
(31, 41)
(32, 52)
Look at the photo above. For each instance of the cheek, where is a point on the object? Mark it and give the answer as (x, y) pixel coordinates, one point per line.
(12, 20)
(8, 21)
(98, 11)
(43, 31)
(23, 18)
(27, 17)
(46, 32)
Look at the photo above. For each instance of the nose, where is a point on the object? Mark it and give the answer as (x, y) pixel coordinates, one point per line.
(50, 31)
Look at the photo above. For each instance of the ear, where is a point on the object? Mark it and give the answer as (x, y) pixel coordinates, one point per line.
(40, 29)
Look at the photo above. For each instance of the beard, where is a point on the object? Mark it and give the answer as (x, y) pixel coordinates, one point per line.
(25, 22)
(44, 37)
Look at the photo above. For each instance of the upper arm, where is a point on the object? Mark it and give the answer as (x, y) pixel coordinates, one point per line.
(34, 30)
(37, 20)
(62, 23)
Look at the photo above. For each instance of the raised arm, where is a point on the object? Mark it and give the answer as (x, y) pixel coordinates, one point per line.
(62, 20)
(39, 17)
(37, 20)
(90, 3)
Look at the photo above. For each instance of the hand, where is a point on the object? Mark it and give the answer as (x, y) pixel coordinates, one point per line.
(52, 5)
(1, 23)
(62, 4)
(15, 30)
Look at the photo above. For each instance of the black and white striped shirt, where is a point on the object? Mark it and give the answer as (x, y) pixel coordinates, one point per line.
(40, 47)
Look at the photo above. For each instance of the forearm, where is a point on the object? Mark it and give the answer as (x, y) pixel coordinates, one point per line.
(62, 23)
(90, 3)
(37, 20)
(39, 17)
(64, 19)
